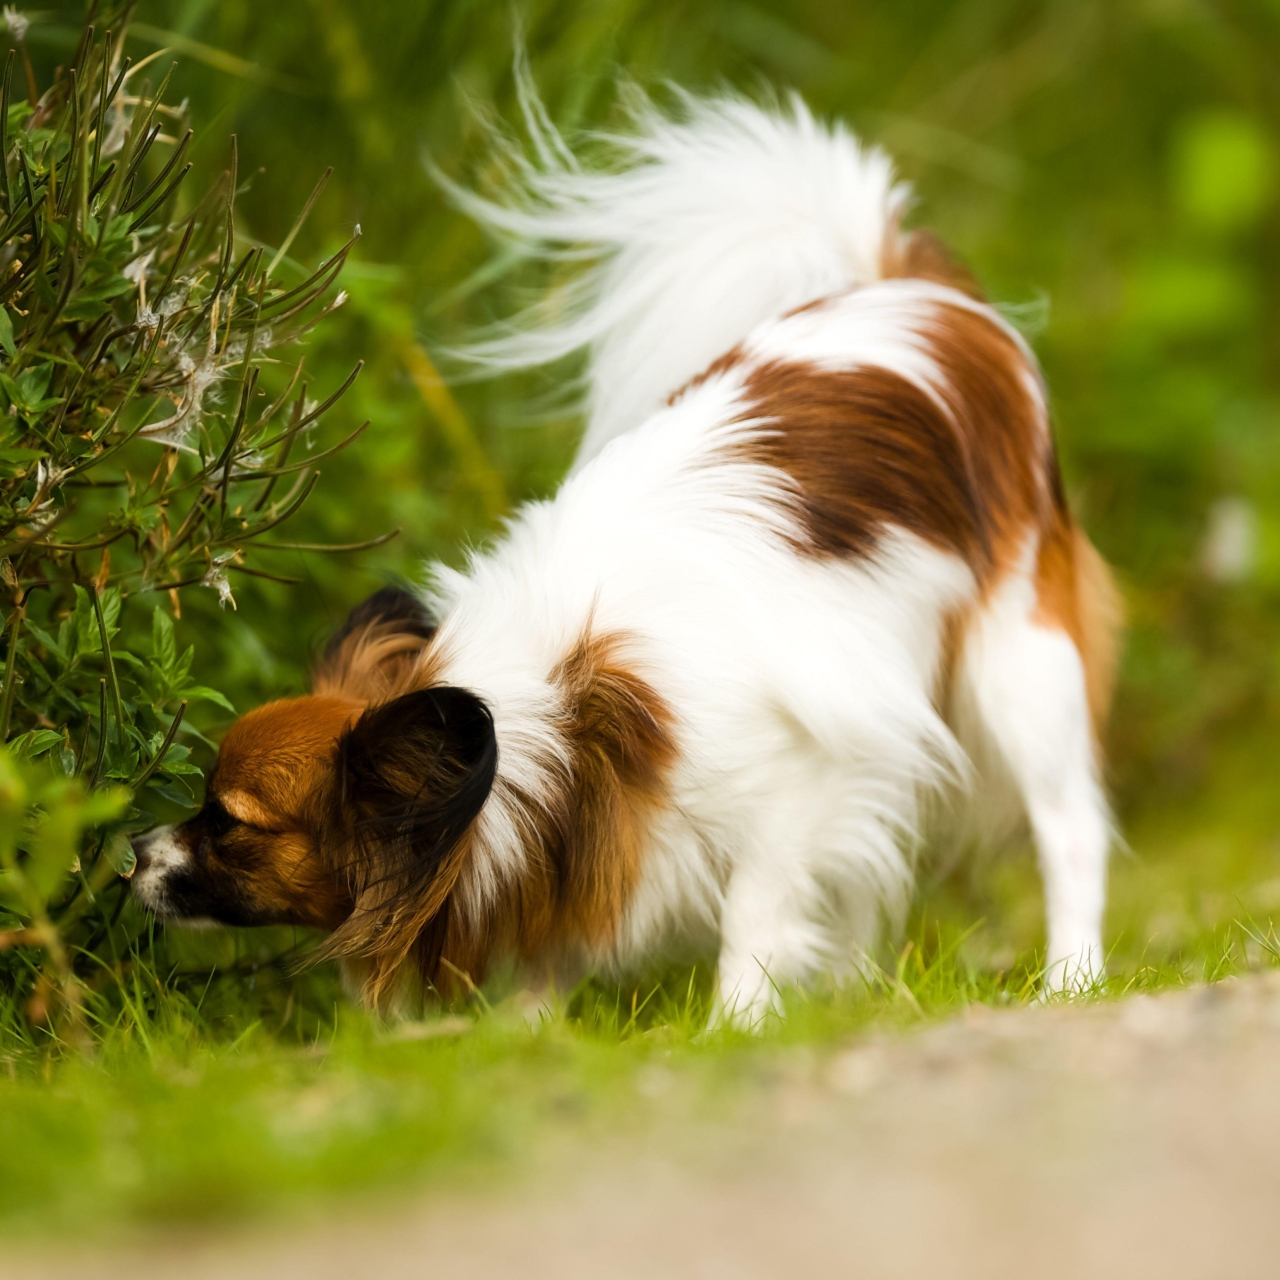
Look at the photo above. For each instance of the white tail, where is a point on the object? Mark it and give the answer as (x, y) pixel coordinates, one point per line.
(706, 226)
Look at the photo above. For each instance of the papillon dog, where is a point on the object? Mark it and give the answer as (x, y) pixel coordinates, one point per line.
(810, 602)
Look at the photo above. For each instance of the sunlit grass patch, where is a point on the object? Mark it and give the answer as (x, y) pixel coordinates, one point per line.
(235, 1084)
(196, 1109)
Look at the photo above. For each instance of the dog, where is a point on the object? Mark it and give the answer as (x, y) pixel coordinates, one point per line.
(810, 601)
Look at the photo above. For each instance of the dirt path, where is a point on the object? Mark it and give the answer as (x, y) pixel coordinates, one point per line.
(1131, 1140)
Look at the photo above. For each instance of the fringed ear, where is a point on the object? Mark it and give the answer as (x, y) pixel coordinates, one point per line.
(412, 776)
(377, 646)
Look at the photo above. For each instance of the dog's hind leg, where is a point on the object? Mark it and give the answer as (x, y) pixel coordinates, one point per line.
(1034, 661)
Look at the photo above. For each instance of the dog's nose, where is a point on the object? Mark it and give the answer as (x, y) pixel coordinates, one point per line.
(149, 850)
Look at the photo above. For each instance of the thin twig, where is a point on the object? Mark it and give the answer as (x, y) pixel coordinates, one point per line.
(139, 781)
(10, 671)
(113, 684)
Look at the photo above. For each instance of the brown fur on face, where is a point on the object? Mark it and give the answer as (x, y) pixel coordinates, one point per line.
(349, 809)
(262, 849)
(255, 848)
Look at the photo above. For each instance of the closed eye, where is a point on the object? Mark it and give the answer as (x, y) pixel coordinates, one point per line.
(217, 821)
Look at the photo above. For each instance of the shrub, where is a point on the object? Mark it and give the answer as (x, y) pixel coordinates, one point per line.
(148, 425)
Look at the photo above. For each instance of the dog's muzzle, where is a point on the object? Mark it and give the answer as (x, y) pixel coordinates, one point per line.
(162, 862)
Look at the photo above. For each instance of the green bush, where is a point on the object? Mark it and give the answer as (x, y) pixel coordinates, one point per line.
(155, 423)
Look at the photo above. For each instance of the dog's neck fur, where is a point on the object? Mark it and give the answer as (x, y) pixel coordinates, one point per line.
(585, 752)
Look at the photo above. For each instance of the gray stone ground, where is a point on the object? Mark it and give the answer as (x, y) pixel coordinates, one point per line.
(1140, 1139)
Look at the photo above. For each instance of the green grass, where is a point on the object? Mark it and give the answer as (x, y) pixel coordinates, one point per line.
(1073, 152)
(258, 1093)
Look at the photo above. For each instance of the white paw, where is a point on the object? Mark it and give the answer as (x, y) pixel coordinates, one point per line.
(1075, 970)
(745, 1005)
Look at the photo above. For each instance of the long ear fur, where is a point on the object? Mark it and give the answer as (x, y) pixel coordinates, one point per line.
(412, 775)
(377, 646)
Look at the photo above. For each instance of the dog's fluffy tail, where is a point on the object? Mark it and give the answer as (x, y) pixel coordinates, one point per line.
(702, 227)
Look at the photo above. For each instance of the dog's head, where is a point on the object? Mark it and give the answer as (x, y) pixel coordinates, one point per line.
(345, 810)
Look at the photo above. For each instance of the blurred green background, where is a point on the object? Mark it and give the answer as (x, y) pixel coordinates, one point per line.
(1110, 169)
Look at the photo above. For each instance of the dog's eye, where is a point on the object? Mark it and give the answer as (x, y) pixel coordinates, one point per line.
(217, 821)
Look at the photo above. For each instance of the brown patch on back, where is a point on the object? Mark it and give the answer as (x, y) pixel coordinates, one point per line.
(720, 365)
(866, 448)
(921, 255)
(584, 846)
(976, 475)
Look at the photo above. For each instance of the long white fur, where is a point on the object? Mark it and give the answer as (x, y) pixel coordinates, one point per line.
(703, 229)
(804, 689)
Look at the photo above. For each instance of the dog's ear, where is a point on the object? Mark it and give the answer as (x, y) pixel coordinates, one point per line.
(411, 777)
(376, 647)
(389, 607)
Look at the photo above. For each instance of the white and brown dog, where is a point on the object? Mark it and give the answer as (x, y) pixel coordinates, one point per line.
(811, 596)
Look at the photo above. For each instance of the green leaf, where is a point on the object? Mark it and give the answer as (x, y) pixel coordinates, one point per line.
(77, 446)
(111, 605)
(113, 287)
(202, 693)
(163, 645)
(33, 383)
(27, 392)
(88, 638)
(6, 334)
(118, 851)
(106, 804)
(175, 792)
(44, 638)
(55, 839)
(11, 891)
(27, 746)
(180, 769)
